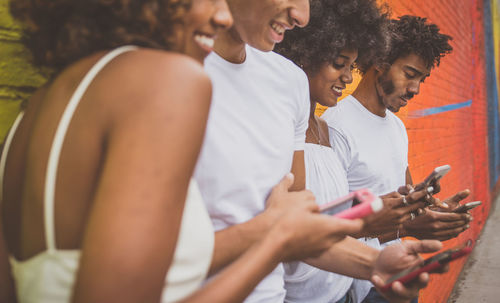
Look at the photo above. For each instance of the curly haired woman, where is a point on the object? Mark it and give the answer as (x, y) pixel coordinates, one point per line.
(98, 204)
(342, 35)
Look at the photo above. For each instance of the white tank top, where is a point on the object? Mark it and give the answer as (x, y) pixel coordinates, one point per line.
(49, 276)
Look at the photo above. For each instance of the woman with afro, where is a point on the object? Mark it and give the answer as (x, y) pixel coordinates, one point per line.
(342, 35)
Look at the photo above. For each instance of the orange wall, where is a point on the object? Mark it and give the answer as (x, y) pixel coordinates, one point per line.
(457, 137)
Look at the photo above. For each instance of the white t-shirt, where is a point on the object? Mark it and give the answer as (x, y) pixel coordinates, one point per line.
(372, 149)
(257, 120)
(326, 178)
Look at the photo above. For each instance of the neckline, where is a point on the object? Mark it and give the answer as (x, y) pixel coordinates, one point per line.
(248, 55)
(368, 113)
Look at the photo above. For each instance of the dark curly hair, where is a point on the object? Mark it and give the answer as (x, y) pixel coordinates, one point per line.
(412, 34)
(59, 32)
(336, 25)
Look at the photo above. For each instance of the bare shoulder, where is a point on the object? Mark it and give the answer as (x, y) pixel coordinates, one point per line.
(155, 76)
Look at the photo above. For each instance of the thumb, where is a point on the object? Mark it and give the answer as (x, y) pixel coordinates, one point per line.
(377, 281)
(424, 246)
(460, 196)
(405, 190)
(286, 182)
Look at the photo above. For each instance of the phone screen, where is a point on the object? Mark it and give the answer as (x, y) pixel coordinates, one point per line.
(338, 207)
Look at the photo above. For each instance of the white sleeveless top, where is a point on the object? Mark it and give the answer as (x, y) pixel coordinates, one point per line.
(49, 276)
(326, 178)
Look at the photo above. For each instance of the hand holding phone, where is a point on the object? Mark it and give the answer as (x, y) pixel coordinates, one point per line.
(430, 265)
(433, 178)
(364, 201)
(466, 207)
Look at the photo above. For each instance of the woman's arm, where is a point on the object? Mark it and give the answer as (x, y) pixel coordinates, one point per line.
(158, 109)
(7, 289)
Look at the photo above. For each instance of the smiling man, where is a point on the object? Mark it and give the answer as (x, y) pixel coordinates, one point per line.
(256, 128)
(372, 141)
(255, 135)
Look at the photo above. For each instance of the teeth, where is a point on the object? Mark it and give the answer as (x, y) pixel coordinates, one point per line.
(338, 90)
(205, 40)
(278, 28)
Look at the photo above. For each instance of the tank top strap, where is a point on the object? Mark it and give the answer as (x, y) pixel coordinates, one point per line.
(55, 151)
(8, 140)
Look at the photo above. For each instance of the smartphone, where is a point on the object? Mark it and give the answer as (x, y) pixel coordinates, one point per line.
(364, 200)
(431, 264)
(433, 177)
(467, 206)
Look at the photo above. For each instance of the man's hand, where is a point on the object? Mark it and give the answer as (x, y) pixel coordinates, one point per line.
(306, 232)
(396, 258)
(282, 200)
(428, 198)
(437, 225)
(454, 201)
(397, 209)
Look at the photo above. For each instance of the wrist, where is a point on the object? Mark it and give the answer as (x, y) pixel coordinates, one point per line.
(277, 240)
(374, 258)
(268, 218)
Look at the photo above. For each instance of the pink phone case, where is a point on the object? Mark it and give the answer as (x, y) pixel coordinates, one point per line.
(361, 210)
(367, 203)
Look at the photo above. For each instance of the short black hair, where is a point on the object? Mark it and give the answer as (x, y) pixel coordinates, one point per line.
(336, 25)
(412, 34)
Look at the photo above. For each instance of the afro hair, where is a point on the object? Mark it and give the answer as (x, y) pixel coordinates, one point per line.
(336, 25)
(412, 34)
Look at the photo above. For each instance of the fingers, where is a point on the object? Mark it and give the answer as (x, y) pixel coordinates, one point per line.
(406, 292)
(437, 186)
(413, 207)
(455, 199)
(450, 217)
(406, 190)
(417, 195)
(423, 246)
(391, 200)
(377, 281)
(439, 203)
(399, 291)
(286, 182)
(425, 195)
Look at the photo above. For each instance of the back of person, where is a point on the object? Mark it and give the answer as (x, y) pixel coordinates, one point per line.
(47, 197)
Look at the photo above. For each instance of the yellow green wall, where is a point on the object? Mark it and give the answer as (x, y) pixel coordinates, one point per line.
(17, 77)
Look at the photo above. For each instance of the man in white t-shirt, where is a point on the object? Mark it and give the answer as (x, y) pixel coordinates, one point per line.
(372, 141)
(255, 135)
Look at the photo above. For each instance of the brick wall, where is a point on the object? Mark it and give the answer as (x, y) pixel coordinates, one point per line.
(459, 136)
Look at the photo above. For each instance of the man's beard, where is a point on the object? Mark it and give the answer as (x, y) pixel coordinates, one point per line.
(388, 88)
